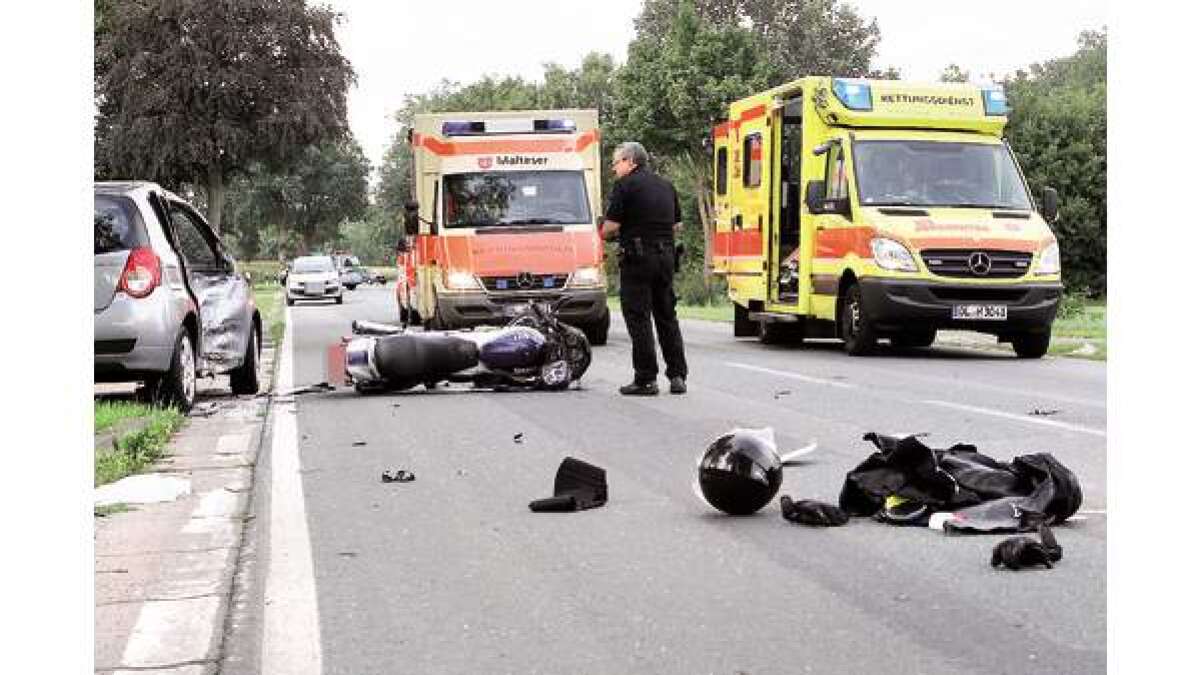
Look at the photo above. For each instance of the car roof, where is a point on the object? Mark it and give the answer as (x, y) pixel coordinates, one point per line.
(312, 257)
(129, 187)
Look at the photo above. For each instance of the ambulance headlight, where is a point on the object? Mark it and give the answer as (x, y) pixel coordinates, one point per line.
(853, 95)
(587, 277)
(1048, 262)
(994, 102)
(891, 255)
(457, 280)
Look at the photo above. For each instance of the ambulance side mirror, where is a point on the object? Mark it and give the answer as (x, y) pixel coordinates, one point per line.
(1050, 204)
(412, 223)
(818, 203)
(814, 196)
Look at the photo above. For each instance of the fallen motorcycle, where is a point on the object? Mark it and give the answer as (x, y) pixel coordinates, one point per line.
(534, 350)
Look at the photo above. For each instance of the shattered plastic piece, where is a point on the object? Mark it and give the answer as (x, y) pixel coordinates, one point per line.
(308, 389)
(207, 409)
(400, 476)
(812, 512)
(793, 458)
(358, 444)
(740, 472)
(1044, 411)
(1019, 552)
(577, 486)
(783, 392)
(518, 438)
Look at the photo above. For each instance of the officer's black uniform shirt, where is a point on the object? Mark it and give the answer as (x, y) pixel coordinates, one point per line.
(645, 205)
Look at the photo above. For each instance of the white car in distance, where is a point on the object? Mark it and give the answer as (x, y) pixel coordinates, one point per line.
(313, 277)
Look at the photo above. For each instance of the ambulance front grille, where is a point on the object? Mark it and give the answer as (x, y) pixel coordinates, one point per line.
(956, 263)
(524, 282)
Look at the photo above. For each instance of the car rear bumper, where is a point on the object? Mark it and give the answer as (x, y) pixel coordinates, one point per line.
(897, 305)
(472, 309)
(136, 336)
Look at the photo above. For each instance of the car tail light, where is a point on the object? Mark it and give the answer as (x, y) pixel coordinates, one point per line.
(142, 273)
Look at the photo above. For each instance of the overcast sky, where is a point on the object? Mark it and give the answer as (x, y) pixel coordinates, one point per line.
(406, 47)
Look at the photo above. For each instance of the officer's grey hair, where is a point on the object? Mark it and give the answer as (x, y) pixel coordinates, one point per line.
(634, 152)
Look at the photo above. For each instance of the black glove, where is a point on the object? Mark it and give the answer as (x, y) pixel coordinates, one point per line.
(812, 512)
(1018, 552)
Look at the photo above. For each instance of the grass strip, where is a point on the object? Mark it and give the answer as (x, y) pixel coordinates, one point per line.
(108, 413)
(269, 299)
(136, 450)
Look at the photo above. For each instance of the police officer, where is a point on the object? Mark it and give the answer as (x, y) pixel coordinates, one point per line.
(643, 212)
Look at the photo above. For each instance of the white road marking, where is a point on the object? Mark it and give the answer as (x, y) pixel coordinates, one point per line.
(790, 375)
(291, 633)
(1019, 418)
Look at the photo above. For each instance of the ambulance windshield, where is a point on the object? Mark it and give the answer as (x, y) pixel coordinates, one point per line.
(934, 173)
(499, 198)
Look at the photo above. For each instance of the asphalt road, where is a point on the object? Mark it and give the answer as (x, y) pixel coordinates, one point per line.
(453, 574)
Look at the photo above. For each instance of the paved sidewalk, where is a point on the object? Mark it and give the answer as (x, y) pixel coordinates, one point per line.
(164, 571)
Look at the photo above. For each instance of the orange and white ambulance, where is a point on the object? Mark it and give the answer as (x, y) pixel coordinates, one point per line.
(505, 212)
(868, 209)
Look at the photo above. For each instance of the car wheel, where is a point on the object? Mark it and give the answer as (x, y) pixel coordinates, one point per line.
(290, 302)
(1031, 345)
(338, 299)
(244, 378)
(858, 333)
(351, 286)
(178, 386)
(916, 338)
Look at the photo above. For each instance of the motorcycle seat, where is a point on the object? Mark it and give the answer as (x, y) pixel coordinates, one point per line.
(416, 356)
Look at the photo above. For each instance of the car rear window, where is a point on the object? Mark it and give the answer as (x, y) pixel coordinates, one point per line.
(118, 224)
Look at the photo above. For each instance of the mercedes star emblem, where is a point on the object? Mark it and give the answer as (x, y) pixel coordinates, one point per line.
(979, 263)
(525, 280)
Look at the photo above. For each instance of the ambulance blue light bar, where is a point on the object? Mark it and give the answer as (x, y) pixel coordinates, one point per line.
(555, 126)
(507, 126)
(994, 102)
(853, 95)
(462, 128)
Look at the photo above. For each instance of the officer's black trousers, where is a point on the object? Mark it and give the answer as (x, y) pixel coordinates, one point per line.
(646, 290)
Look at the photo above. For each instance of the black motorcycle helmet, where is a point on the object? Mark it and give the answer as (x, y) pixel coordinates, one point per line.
(741, 471)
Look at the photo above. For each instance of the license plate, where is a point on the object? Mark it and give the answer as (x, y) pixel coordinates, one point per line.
(980, 312)
(313, 289)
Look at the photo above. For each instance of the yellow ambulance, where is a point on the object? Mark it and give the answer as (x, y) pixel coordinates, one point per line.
(880, 209)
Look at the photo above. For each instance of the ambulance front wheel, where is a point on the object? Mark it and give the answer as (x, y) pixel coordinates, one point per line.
(1031, 345)
(858, 333)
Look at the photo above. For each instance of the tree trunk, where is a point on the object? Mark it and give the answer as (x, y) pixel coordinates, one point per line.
(216, 197)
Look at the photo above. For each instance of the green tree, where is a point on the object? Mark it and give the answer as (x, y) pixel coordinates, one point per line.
(299, 209)
(1058, 128)
(953, 73)
(799, 37)
(372, 238)
(198, 90)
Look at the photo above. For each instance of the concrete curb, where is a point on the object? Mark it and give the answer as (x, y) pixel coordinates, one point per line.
(164, 572)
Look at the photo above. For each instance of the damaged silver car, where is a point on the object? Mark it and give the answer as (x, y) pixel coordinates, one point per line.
(170, 305)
